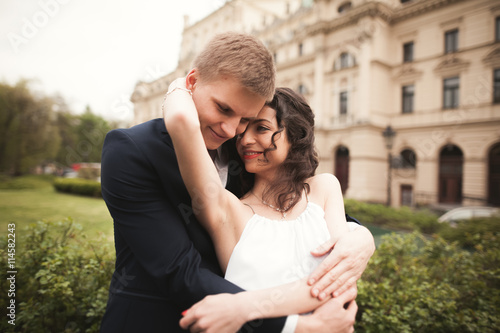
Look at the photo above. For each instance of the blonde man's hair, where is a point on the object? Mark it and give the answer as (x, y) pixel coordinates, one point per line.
(241, 56)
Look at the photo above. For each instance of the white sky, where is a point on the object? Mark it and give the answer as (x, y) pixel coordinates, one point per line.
(93, 51)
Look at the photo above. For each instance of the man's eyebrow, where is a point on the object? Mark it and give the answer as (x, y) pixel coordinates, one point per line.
(223, 105)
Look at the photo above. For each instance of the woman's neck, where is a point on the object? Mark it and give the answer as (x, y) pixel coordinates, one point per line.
(260, 185)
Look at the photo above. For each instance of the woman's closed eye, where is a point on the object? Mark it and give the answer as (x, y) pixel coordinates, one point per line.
(261, 128)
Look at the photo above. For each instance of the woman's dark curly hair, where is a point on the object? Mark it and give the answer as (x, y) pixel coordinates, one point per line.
(295, 116)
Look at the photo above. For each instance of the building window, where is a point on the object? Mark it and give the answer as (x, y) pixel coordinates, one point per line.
(408, 52)
(451, 41)
(408, 159)
(343, 102)
(451, 90)
(344, 60)
(496, 86)
(301, 49)
(497, 29)
(302, 89)
(344, 7)
(408, 93)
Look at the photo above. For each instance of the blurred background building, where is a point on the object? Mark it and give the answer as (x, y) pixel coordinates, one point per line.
(406, 92)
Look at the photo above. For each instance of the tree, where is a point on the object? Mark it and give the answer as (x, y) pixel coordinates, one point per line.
(91, 131)
(28, 135)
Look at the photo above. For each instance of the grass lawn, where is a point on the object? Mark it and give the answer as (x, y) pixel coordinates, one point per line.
(26, 206)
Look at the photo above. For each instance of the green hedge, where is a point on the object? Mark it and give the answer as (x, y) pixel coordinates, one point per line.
(404, 218)
(25, 182)
(412, 283)
(79, 186)
(62, 279)
(415, 284)
(464, 232)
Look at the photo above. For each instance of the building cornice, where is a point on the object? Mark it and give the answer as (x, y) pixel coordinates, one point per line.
(296, 62)
(492, 59)
(371, 9)
(381, 10)
(421, 7)
(407, 73)
(451, 64)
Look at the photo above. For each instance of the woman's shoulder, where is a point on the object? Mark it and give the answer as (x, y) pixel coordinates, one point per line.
(322, 186)
(323, 180)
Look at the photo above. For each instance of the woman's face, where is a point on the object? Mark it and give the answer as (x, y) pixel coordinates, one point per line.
(258, 137)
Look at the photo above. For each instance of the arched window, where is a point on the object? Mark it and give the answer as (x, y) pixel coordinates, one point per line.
(342, 167)
(494, 175)
(345, 60)
(408, 159)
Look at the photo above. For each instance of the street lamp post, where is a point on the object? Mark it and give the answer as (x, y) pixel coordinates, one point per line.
(389, 135)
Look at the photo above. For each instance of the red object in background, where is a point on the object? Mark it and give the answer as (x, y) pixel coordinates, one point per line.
(76, 166)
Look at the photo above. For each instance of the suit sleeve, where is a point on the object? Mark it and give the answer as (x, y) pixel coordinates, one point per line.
(151, 226)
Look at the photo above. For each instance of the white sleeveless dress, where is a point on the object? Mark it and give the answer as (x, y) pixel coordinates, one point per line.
(274, 252)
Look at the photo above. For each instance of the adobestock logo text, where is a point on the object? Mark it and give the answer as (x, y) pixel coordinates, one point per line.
(39, 20)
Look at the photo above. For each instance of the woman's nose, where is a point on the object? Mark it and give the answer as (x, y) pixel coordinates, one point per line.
(246, 138)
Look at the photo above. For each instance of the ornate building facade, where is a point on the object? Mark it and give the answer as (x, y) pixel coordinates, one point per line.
(429, 70)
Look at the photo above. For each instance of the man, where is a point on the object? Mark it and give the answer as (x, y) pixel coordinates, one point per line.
(165, 261)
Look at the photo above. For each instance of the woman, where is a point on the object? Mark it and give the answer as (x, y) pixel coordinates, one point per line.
(263, 239)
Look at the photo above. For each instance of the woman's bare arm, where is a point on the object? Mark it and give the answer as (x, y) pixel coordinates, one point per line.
(211, 202)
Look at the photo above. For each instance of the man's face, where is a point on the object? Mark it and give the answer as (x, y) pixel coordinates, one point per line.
(224, 107)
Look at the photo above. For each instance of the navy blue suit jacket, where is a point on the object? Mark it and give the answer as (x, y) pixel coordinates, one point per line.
(165, 260)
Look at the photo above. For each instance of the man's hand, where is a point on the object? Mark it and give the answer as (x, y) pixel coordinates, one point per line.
(344, 265)
(332, 317)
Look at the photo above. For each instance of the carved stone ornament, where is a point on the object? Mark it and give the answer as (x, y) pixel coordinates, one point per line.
(451, 63)
(493, 58)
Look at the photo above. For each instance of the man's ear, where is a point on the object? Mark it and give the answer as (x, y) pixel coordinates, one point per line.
(192, 79)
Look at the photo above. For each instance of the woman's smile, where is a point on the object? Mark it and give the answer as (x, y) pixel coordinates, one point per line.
(249, 154)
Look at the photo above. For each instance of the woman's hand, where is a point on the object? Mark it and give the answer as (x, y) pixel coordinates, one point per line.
(178, 104)
(224, 313)
(344, 265)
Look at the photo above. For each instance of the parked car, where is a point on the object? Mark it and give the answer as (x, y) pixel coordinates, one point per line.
(69, 173)
(467, 213)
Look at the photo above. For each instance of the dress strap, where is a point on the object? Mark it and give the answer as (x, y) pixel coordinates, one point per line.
(253, 211)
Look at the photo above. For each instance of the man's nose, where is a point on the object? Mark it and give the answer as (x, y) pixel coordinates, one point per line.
(242, 127)
(233, 127)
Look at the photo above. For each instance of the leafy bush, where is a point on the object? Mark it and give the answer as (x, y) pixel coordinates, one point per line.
(465, 231)
(62, 280)
(403, 218)
(79, 186)
(413, 284)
